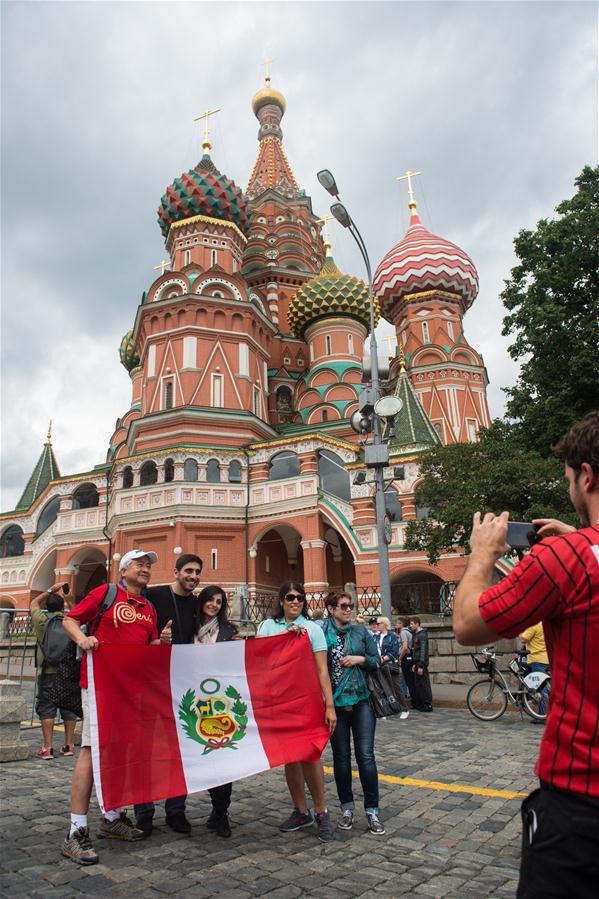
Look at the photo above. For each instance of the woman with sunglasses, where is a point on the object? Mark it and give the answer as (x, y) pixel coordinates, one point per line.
(213, 626)
(291, 613)
(352, 650)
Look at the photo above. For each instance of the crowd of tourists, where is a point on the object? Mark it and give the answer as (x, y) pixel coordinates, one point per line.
(557, 584)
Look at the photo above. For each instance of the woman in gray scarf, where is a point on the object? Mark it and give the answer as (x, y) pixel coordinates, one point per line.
(213, 627)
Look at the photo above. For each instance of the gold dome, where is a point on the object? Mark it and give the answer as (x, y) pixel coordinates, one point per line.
(268, 95)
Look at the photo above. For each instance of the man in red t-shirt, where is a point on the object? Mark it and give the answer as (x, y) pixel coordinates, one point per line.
(130, 619)
(556, 583)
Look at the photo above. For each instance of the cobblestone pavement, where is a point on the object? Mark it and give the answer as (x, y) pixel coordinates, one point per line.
(455, 845)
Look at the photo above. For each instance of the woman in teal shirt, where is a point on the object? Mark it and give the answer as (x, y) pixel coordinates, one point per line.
(291, 613)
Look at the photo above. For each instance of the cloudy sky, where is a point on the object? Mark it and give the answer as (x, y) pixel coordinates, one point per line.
(496, 103)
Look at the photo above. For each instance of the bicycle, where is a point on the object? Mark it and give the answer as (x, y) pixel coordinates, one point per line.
(487, 699)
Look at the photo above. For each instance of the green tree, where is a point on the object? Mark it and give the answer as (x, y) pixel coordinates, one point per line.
(552, 300)
(498, 473)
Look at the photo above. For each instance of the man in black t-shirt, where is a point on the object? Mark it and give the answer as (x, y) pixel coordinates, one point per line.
(176, 608)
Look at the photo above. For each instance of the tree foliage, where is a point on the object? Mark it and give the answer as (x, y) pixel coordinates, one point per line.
(552, 300)
(498, 473)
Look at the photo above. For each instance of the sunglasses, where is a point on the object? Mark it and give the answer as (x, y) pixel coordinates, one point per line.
(345, 606)
(294, 597)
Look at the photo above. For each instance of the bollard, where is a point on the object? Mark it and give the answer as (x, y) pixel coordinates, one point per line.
(12, 712)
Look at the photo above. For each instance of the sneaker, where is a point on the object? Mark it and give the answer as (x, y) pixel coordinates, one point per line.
(79, 848)
(67, 749)
(223, 828)
(46, 753)
(323, 825)
(178, 823)
(346, 821)
(121, 829)
(374, 825)
(404, 715)
(297, 820)
(146, 825)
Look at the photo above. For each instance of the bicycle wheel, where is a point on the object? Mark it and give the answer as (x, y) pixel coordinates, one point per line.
(535, 703)
(486, 700)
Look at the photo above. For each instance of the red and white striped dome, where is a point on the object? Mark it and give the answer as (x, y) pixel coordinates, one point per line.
(422, 261)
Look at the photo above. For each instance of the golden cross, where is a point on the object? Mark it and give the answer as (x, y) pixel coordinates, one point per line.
(409, 175)
(325, 221)
(391, 339)
(162, 265)
(206, 145)
(267, 63)
(50, 431)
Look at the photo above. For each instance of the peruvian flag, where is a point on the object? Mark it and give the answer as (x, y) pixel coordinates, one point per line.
(169, 720)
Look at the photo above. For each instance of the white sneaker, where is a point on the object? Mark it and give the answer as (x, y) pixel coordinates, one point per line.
(404, 715)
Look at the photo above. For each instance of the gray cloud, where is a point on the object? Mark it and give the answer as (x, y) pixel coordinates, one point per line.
(495, 102)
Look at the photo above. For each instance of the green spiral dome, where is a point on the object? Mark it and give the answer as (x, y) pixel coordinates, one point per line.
(128, 351)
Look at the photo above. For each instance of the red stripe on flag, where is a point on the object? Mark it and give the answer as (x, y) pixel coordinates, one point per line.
(286, 698)
(139, 748)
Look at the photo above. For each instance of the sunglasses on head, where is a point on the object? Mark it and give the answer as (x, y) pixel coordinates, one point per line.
(346, 605)
(294, 597)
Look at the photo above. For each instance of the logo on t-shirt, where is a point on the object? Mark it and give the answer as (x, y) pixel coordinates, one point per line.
(123, 613)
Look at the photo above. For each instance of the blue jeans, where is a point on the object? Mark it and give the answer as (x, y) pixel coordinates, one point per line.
(174, 806)
(361, 722)
(541, 666)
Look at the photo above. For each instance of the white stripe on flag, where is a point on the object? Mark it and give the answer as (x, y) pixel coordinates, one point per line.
(93, 728)
(193, 668)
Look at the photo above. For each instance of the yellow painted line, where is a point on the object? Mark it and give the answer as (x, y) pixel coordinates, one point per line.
(449, 788)
(37, 724)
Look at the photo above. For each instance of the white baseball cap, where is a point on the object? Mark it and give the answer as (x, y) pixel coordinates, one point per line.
(136, 554)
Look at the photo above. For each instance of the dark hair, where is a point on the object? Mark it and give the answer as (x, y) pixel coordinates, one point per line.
(185, 559)
(373, 621)
(277, 609)
(405, 622)
(206, 594)
(581, 444)
(416, 619)
(332, 599)
(55, 603)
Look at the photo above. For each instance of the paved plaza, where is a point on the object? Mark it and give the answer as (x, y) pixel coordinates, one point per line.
(457, 843)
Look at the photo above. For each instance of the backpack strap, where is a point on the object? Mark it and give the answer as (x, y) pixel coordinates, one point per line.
(107, 603)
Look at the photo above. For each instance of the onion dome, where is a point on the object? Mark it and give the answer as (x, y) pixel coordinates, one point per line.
(268, 96)
(420, 262)
(203, 191)
(330, 293)
(128, 351)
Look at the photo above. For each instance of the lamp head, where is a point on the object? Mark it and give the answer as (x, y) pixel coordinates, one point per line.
(341, 214)
(327, 180)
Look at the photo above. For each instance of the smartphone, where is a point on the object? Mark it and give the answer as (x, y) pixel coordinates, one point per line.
(65, 589)
(521, 534)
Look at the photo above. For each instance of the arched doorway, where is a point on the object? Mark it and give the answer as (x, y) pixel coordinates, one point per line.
(44, 575)
(279, 558)
(341, 572)
(90, 570)
(415, 592)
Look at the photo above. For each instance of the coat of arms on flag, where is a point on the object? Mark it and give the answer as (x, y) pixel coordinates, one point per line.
(216, 720)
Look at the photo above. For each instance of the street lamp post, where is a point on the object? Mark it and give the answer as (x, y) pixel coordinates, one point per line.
(376, 453)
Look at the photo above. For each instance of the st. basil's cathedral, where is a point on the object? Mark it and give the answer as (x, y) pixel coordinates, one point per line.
(245, 357)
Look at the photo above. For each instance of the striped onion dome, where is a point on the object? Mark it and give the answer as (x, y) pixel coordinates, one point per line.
(330, 293)
(420, 262)
(128, 351)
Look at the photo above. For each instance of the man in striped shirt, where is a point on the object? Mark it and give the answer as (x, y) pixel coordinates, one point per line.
(556, 583)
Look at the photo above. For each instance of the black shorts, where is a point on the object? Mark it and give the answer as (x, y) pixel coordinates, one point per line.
(45, 707)
(560, 846)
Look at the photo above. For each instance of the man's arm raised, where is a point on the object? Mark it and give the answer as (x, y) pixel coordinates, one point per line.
(488, 543)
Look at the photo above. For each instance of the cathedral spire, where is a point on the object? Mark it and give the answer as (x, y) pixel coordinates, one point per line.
(271, 170)
(45, 471)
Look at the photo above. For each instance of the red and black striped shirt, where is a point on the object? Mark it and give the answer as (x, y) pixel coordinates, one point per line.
(558, 584)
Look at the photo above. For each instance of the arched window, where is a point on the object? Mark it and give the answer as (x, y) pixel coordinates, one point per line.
(148, 474)
(168, 394)
(235, 472)
(392, 504)
(283, 465)
(333, 476)
(127, 477)
(169, 470)
(284, 399)
(12, 542)
(190, 470)
(48, 515)
(86, 497)
(213, 471)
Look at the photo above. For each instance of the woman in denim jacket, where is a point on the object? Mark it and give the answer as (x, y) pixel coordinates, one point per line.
(351, 650)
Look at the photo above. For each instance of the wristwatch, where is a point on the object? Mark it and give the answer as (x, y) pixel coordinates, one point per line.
(50, 591)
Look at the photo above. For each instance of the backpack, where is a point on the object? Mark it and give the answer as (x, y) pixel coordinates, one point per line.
(55, 641)
(107, 603)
